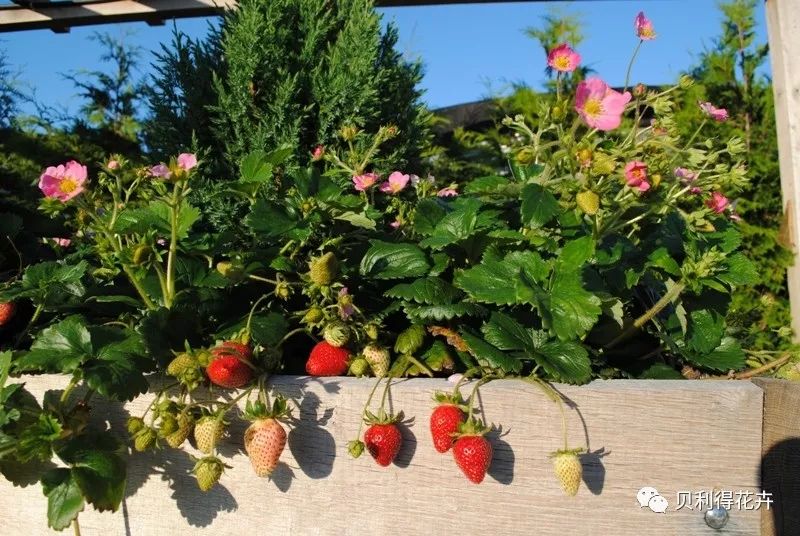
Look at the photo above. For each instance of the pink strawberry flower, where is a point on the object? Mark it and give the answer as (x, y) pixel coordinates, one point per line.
(63, 182)
(160, 171)
(345, 302)
(600, 106)
(644, 27)
(61, 242)
(395, 224)
(696, 190)
(449, 191)
(563, 59)
(113, 164)
(187, 161)
(718, 202)
(636, 175)
(717, 114)
(364, 182)
(396, 182)
(685, 175)
(318, 153)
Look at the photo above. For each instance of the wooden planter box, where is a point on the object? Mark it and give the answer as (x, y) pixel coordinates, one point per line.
(675, 436)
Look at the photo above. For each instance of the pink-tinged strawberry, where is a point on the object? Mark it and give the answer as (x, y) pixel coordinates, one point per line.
(230, 365)
(327, 360)
(7, 310)
(472, 451)
(265, 439)
(446, 418)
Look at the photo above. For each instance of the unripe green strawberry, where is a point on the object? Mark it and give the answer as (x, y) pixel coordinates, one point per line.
(169, 424)
(207, 432)
(323, 270)
(410, 340)
(145, 438)
(134, 424)
(378, 359)
(181, 364)
(231, 270)
(568, 469)
(359, 367)
(313, 316)
(336, 333)
(283, 290)
(176, 438)
(208, 471)
(142, 254)
(371, 331)
(588, 201)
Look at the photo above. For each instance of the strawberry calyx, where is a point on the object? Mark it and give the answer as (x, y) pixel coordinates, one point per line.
(450, 399)
(259, 410)
(382, 417)
(571, 452)
(472, 427)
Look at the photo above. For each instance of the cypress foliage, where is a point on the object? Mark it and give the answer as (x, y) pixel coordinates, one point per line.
(285, 72)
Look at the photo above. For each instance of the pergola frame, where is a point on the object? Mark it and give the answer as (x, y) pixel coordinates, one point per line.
(783, 26)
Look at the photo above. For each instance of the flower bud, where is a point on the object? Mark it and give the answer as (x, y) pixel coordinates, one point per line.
(318, 153)
(348, 132)
(313, 315)
(686, 82)
(526, 156)
(558, 112)
(283, 291)
(639, 90)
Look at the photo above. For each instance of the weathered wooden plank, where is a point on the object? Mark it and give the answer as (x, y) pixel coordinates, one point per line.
(780, 467)
(783, 25)
(674, 436)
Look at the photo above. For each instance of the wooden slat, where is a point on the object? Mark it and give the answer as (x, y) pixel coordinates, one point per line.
(783, 25)
(672, 435)
(780, 467)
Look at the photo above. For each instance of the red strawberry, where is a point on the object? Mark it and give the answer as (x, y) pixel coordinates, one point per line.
(445, 420)
(327, 360)
(265, 439)
(7, 310)
(230, 366)
(383, 442)
(472, 451)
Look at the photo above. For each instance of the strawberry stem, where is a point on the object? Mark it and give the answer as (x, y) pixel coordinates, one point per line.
(471, 400)
(366, 405)
(556, 397)
(385, 395)
(250, 316)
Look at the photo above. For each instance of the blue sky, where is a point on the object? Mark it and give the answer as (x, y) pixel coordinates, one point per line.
(469, 51)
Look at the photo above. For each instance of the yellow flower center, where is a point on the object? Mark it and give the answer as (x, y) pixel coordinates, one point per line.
(67, 185)
(637, 173)
(646, 32)
(593, 107)
(561, 62)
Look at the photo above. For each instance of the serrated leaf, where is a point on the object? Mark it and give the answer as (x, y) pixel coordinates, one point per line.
(49, 283)
(576, 253)
(61, 347)
(254, 168)
(156, 216)
(660, 371)
(530, 263)
(429, 290)
(454, 227)
(97, 468)
(357, 219)
(571, 310)
(438, 358)
(490, 356)
(385, 260)
(705, 330)
(566, 361)
(506, 333)
(739, 271)
(492, 184)
(493, 282)
(64, 498)
(727, 356)
(538, 207)
(269, 219)
(265, 329)
(660, 258)
(444, 311)
(427, 215)
(116, 368)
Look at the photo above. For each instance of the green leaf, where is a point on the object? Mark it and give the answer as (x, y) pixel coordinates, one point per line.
(566, 361)
(36, 440)
(61, 347)
(438, 357)
(530, 264)
(739, 270)
(116, 370)
(156, 216)
(571, 309)
(706, 330)
(357, 219)
(727, 356)
(455, 226)
(385, 260)
(660, 371)
(494, 282)
(492, 184)
(660, 258)
(97, 468)
(255, 168)
(429, 290)
(265, 329)
(49, 283)
(444, 311)
(538, 206)
(64, 498)
(576, 253)
(269, 219)
(506, 333)
(490, 356)
(427, 215)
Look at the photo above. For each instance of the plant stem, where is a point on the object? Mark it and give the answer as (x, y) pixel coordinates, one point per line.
(366, 405)
(139, 288)
(36, 314)
(471, 399)
(422, 367)
(65, 395)
(174, 211)
(76, 527)
(764, 368)
(665, 300)
(556, 397)
(630, 64)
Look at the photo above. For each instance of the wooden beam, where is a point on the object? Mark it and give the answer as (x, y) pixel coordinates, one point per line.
(68, 14)
(783, 25)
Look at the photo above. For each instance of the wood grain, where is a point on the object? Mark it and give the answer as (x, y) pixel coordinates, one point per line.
(672, 435)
